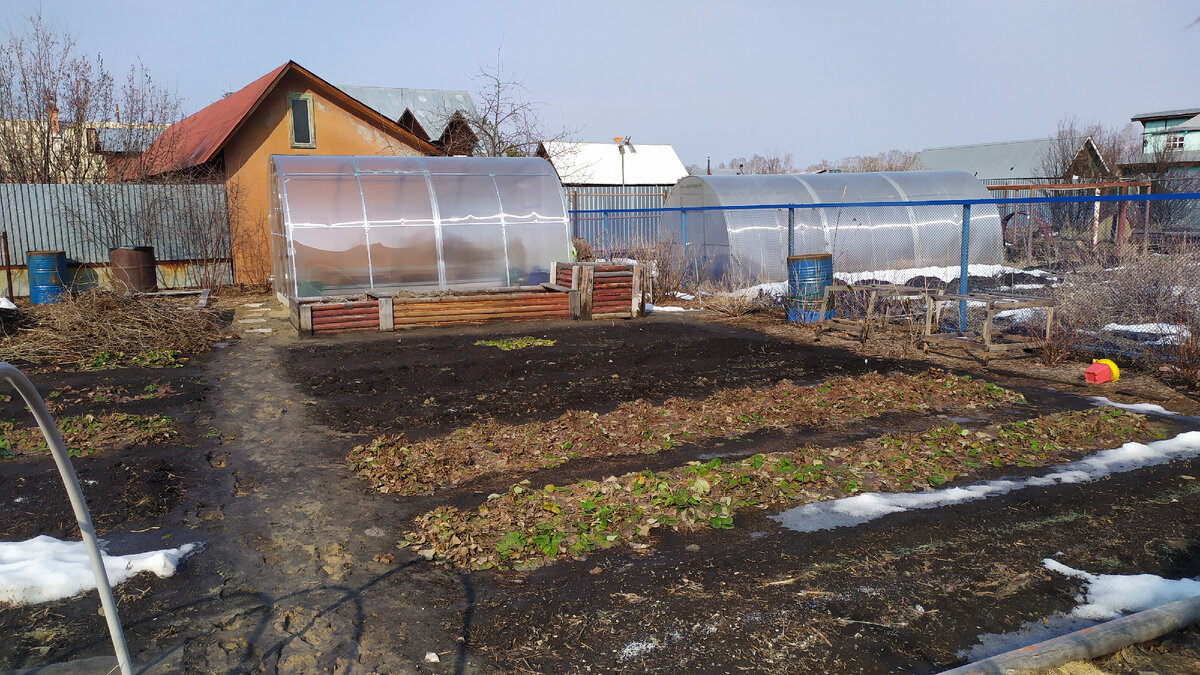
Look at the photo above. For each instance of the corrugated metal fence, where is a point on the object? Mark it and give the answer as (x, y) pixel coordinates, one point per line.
(181, 222)
(625, 228)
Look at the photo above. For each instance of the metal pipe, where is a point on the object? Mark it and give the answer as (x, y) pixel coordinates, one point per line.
(7, 264)
(962, 267)
(1090, 642)
(916, 202)
(791, 232)
(54, 440)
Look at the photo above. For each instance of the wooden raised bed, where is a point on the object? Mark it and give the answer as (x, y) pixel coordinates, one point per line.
(581, 291)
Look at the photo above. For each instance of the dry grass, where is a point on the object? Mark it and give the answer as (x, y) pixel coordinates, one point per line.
(101, 322)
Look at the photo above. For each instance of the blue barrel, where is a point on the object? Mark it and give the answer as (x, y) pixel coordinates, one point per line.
(47, 276)
(808, 276)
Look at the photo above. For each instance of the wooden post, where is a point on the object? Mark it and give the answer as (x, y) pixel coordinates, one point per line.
(573, 305)
(575, 277)
(306, 326)
(586, 275)
(636, 309)
(386, 317)
(647, 284)
(554, 272)
(987, 325)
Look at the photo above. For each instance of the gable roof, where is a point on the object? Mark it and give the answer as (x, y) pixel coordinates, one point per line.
(1164, 114)
(994, 161)
(1190, 125)
(600, 163)
(198, 138)
(431, 108)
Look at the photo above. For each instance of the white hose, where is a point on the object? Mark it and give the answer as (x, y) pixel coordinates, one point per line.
(54, 440)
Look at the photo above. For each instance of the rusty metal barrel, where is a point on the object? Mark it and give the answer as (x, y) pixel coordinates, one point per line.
(134, 268)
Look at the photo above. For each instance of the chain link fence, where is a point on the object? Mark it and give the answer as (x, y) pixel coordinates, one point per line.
(1122, 270)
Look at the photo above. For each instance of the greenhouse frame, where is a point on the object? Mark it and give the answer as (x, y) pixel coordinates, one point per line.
(753, 243)
(342, 225)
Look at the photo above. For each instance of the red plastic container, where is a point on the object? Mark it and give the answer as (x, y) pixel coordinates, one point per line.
(1098, 373)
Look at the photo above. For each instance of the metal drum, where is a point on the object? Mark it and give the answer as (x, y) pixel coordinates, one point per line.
(134, 268)
(808, 277)
(47, 276)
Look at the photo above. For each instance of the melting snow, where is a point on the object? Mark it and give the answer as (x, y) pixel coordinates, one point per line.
(665, 308)
(635, 649)
(946, 274)
(1111, 595)
(1133, 407)
(1106, 596)
(1168, 333)
(44, 569)
(859, 509)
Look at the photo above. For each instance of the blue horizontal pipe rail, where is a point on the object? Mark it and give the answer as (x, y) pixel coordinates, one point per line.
(1082, 199)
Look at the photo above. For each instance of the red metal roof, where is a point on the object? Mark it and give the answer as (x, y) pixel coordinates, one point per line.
(198, 138)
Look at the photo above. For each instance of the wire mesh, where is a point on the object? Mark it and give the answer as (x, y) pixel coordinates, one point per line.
(1123, 273)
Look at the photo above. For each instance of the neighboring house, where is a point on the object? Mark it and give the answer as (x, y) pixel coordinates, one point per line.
(440, 116)
(1170, 143)
(1015, 162)
(288, 111)
(616, 175)
(91, 152)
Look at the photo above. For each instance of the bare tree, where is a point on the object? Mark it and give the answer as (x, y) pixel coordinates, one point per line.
(506, 121)
(773, 163)
(63, 119)
(892, 160)
(50, 96)
(1116, 146)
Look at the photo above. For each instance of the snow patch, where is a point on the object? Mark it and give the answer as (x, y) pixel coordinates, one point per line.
(859, 509)
(44, 569)
(946, 274)
(1150, 408)
(1111, 595)
(666, 308)
(1168, 333)
(635, 649)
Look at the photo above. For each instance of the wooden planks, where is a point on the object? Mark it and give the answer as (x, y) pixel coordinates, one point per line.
(576, 291)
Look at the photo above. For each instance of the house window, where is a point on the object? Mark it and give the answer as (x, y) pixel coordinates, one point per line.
(303, 135)
(1174, 142)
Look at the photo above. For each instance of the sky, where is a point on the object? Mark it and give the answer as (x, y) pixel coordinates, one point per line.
(817, 80)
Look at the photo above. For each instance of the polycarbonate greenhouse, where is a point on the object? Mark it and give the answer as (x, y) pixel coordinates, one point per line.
(754, 242)
(343, 225)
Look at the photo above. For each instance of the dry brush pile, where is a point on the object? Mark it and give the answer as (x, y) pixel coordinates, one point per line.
(393, 464)
(108, 327)
(529, 526)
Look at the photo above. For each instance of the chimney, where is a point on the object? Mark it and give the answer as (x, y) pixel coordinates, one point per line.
(708, 171)
(52, 116)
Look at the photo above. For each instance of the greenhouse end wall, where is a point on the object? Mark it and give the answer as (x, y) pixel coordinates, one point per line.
(754, 242)
(344, 225)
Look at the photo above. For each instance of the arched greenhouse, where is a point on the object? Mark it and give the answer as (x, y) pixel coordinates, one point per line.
(754, 242)
(343, 225)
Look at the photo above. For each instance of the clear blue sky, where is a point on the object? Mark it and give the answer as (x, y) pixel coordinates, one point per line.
(815, 79)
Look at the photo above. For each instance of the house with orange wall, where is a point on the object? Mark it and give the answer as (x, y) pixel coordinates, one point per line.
(288, 111)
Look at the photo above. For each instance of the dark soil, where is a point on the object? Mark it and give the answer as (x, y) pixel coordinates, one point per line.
(427, 381)
(302, 572)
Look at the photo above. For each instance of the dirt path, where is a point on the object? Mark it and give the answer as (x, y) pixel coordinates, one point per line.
(292, 583)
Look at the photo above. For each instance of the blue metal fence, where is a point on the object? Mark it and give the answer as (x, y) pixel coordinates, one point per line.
(1133, 222)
